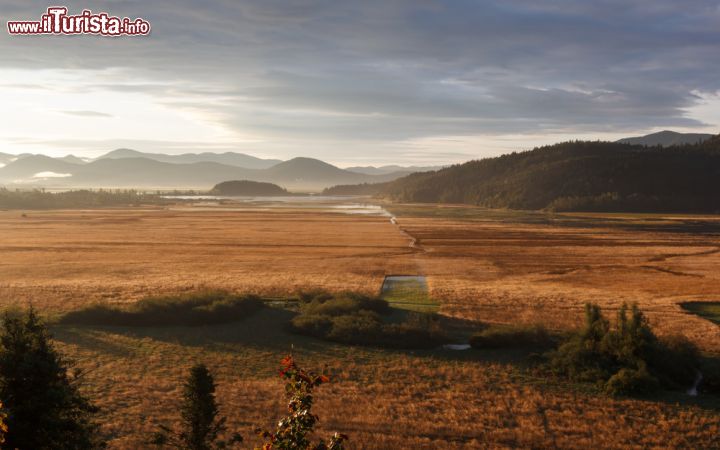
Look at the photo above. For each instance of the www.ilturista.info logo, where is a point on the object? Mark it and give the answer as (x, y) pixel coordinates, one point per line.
(57, 21)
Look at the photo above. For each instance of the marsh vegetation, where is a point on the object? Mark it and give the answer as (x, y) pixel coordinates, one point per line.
(485, 270)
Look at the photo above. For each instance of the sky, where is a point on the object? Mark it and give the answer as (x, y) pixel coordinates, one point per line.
(361, 82)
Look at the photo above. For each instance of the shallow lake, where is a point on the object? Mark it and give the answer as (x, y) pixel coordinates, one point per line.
(339, 204)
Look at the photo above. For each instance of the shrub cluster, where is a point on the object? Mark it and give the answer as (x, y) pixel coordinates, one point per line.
(627, 359)
(535, 336)
(205, 308)
(356, 319)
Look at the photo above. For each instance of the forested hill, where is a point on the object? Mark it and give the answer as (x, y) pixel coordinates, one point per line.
(577, 176)
(248, 188)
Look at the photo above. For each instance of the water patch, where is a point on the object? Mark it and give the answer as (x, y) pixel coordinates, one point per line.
(693, 391)
(363, 208)
(324, 203)
(456, 347)
(408, 292)
(412, 282)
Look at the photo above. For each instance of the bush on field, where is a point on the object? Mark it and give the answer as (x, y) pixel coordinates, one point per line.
(535, 336)
(627, 359)
(205, 308)
(357, 319)
(345, 303)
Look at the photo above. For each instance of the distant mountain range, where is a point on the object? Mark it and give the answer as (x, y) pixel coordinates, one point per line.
(127, 168)
(371, 170)
(666, 139)
(572, 176)
(229, 158)
(124, 168)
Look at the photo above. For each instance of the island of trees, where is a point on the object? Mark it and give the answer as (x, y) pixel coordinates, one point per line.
(248, 188)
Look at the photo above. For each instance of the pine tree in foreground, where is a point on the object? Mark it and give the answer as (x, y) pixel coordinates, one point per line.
(44, 407)
(201, 424)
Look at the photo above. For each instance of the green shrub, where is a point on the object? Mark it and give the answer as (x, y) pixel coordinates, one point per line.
(629, 381)
(420, 330)
(204, 308)
(628, 359)
(323, 303)
(511, 337)
(356, 319)
(314, 294)
(362, 327)
(312, 324)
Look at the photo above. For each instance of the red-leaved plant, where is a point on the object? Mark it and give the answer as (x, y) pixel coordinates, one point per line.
(293, 431)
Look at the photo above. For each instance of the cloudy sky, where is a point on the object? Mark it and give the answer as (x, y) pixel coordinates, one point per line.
(361, 81)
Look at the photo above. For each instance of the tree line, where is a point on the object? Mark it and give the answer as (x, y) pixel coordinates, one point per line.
(84, 198)
(572, 176)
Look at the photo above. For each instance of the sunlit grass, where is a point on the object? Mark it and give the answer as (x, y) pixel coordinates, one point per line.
(408, 292)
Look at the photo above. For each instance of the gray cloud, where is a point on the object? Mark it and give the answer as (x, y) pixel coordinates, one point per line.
(383, 71)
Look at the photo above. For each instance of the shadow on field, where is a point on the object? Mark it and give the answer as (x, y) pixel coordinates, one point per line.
(267, 331)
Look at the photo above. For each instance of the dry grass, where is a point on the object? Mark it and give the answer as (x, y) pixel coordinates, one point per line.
(492, 271)
(382, 399)
(59, 260)
(515, 272)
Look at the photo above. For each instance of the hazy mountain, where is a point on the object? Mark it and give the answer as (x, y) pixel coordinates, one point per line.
(572, 176)
(304, 170)
(6, 158)
(304, 174)
(26, 168)
(666, 138)
(72, 159)
(381, 170)
(248, 188)
(229, 158)
(144, 172)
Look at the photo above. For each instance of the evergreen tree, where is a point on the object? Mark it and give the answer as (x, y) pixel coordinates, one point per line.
(201, 424)
(45, 409)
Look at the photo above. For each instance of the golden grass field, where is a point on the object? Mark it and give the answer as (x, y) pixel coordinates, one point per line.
(62, 259)
(480, 268)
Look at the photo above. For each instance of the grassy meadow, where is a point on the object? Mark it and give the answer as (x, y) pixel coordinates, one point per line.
(482, 268)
